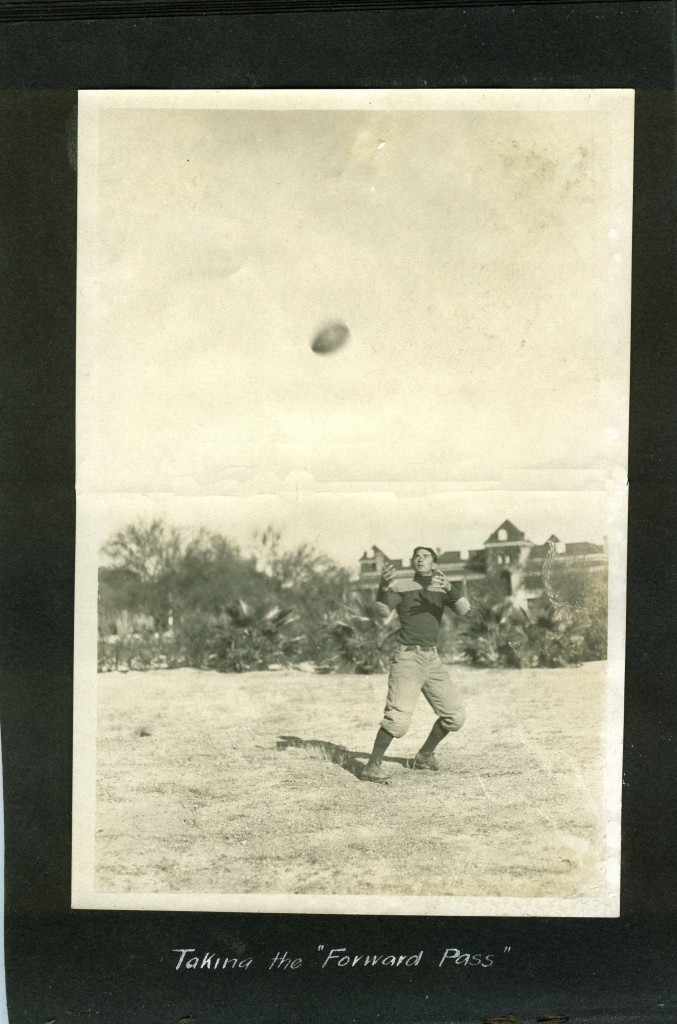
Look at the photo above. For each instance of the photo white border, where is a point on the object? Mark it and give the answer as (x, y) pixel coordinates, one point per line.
(88, 539)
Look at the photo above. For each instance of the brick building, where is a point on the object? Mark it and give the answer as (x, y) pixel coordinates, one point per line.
(507, 553)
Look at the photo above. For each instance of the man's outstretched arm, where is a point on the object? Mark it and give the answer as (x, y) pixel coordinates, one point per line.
(454, 598)
(387, 599)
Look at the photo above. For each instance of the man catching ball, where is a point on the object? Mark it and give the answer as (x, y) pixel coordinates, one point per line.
(416, 665)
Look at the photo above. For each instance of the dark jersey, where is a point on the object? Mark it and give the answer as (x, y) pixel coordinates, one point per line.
(420, 609)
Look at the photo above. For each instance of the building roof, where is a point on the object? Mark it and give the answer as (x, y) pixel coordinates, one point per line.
(584, 547)
(395, 562)
(538, 551)
(366, 557)
(511, 530)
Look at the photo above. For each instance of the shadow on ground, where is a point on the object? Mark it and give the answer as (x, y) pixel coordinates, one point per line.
(351, 761)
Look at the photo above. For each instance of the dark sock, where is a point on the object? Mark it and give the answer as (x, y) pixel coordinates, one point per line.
(437, 734)
(381, 744)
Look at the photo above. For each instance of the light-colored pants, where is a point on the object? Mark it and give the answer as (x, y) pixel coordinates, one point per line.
(414, 672)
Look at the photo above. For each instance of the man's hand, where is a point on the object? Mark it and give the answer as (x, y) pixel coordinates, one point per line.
(440, 581)
(387, 574)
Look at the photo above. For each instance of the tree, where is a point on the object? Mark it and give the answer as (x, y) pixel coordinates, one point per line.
(315, 585)
(213, 574)
(152, 553)
(229, 608)
(120, 591)
(477, 562)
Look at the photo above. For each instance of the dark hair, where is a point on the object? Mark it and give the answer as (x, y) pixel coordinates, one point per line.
(422, 547)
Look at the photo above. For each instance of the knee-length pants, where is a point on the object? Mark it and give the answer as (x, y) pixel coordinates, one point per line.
(413, 672)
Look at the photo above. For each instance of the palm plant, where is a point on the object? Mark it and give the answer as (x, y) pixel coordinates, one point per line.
(359, 637)
(252, 637)
(495, 634)
(506, 633)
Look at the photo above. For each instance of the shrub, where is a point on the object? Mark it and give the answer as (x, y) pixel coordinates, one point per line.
(159, 574)
(492, 636)
(567, 626)
(194, 637)
(108, 654)
(359, 639)
(251, 637)
(138, 652)
(583, 598)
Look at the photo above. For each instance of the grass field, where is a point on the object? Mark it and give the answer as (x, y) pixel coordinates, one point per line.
(249, 783)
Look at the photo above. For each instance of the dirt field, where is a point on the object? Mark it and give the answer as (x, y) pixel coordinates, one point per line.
(248, 783)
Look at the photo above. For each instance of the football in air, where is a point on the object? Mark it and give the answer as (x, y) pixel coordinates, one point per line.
(332, 336)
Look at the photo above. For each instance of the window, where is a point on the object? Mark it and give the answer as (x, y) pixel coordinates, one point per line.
(502, 534)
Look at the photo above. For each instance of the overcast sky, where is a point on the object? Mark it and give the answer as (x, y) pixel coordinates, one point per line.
(479, 258)
(344, 525)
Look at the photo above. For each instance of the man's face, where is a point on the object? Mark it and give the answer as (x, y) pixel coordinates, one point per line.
(423, 561)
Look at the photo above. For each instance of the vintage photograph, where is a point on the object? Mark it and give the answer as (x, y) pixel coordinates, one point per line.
(352, 413)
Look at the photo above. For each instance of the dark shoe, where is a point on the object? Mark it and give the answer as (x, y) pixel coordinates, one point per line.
(375, 773)
(426, 762)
